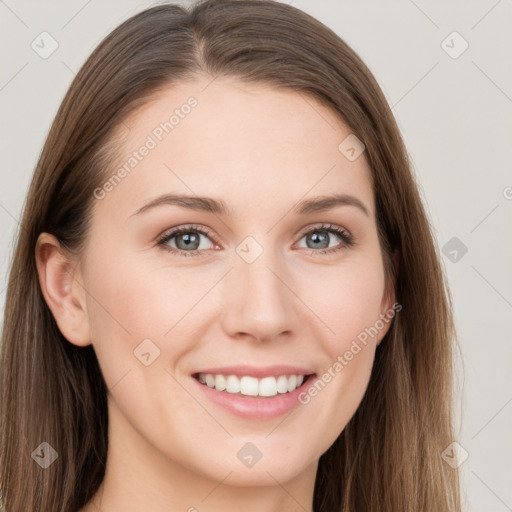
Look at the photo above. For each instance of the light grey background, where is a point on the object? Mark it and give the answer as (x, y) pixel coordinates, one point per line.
(455, 116)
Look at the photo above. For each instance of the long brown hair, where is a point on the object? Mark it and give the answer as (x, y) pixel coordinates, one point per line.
(388, 458)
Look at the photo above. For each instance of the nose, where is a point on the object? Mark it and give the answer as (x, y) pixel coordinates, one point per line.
(258, 302)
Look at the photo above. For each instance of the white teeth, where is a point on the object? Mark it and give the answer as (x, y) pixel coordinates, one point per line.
(220, 382)
(251, 386)
(292, 382)
(268, 386)
(282, 384)
(232, 384)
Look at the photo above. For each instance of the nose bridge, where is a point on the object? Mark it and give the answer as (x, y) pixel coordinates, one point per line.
(258, 302)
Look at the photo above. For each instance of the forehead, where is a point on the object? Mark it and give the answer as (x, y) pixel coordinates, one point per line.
(242, 142)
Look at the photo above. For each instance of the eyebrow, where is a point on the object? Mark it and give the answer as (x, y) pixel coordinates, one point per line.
(205, 204)
(324, 203)
(219, 207)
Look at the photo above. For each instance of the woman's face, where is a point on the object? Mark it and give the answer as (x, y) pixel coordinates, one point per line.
(261, 283)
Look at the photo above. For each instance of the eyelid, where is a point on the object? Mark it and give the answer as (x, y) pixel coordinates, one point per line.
(185, 228)
(322, 226)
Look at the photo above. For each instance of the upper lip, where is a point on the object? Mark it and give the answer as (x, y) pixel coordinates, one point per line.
(256, 371)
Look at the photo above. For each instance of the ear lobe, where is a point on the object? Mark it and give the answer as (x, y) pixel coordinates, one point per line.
(61, 286)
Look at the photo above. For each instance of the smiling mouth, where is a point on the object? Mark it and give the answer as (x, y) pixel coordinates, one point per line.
(266, 387)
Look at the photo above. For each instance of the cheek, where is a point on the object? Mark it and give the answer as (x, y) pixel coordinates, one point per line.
(128, 294)
(133, 300)
(124, 309)
(346, 299)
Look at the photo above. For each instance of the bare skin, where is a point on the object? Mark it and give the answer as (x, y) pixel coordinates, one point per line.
(262, 151)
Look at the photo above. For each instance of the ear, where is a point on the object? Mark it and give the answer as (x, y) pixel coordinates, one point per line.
(61, 285)
(388, 305)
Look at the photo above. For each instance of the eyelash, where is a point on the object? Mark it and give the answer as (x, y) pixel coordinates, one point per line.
(347, 239)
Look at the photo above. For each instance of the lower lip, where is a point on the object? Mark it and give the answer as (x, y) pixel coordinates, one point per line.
(255, 408)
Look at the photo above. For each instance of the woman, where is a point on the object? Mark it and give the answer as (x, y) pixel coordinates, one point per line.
(169, 343)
